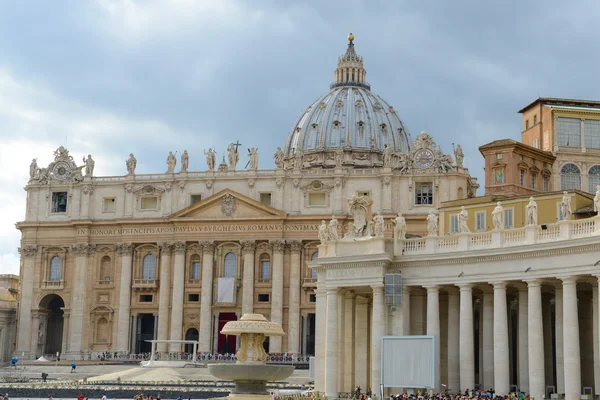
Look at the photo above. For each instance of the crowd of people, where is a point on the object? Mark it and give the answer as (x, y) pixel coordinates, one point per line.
(185, 356)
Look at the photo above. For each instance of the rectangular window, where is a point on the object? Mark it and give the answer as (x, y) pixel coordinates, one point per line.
(480, 220)
(364, 193)
(521, 177)
(424, 193)
(536, 143)
(109, 204)
(317, 199)
(546, 183)
(263, 298)
(149, 203)
(454, 223)
(145, 298)
(59, 202)
(312, 298)
(568, 131)
(526, 124)
(265, 198)
(535, 119)
(508, 218)
(533, 178)
(195, 198)
(193, 297)
(591, 132)
(195, 270)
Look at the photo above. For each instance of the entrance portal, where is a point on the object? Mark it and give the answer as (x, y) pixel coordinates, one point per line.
(145, 331)
(52, 305)
(226, 343)
(191, 334)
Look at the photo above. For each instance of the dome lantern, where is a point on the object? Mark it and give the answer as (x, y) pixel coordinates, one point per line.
(350, 70)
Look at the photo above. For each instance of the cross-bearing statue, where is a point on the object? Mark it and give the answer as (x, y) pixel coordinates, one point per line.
(171, 162)
(89, 165)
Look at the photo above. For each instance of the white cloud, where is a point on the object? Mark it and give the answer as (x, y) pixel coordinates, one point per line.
(9, 264)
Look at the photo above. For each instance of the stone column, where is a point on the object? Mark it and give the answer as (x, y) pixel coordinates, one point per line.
(35, 319)
(123, 313)
(523, 352)
(163, 294)
(501, 360)
(331, 345)
(341, 316)
(433, 327)
(208, 249)
(377, 331)
(453, 340)
(248, 248)
(466, 344)
(348, 382)
(559, 343)
(488, 337)
(572, 360)
(294, 299)
(134, 322)
(304, 333)
(277, 293)
(215, 346)
(24, 344)
(361, 361)
(320, 328)
(595, 346)
(535, 340)
(82, 252)
(178, 292)
(405, 310)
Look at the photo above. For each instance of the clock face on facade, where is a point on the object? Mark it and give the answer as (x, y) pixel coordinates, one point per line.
(424, 158)
(61, 170)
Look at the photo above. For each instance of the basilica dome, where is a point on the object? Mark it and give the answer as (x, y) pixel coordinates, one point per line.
(349, 119)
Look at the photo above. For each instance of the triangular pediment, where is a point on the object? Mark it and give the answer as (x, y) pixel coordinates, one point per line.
(228, 204)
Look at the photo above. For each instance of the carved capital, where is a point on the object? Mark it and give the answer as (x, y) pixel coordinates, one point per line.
(279, 182)
(251, 183)
(295, 247)
(87, 189)
(296, 183)
(129, 188)
(83, 249)
(278, 246)
(165, 247)
(386, 180)
(124, 249)
(208, 247)
(182, 185)
(29, 250)
(209, 185)
(179, 247)
(168, 186)
(248, 246)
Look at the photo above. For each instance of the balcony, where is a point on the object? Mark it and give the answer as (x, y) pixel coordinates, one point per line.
(145, 284)
(309, 283)
(53, 285)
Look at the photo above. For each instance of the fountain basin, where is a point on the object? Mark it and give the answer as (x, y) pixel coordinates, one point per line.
(250, 378)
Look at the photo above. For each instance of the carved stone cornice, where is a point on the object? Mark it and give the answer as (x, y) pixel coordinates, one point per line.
(295, 247)
(165, 247)
(208, 247)
(83, 249)
(248, 246)
(278, 246)
(179, 247)
(124, 249)
(29, 250)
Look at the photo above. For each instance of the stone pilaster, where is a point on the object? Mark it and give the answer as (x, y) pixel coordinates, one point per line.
(453, 340)
(535, 340)
(24, 345)
(467, 353)
(178, 293)
(163, 294)
(86, 194)
(277, 292)
(488, 337)
(433, 327)
(348, 382)
(559, 343)
(248, 248)
(122, 326)
(523, 342)
(501, 361)
(361, 361)
(82, 252)
(208, 250)
(377, 331)
(294, 299)
(572, 359)
(320, 329)
(331, 345)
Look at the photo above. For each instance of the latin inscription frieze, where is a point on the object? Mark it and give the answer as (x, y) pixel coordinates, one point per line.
(354, 273)
(159, 230)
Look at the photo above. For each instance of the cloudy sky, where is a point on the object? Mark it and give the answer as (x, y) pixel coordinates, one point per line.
(110, 77)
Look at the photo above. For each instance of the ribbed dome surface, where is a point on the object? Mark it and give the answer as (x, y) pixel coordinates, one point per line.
(349, 116)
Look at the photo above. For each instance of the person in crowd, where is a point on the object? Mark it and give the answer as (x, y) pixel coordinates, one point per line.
(73, 366)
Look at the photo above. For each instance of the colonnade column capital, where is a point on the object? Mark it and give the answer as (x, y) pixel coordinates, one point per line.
(465, 287)
(278, 246)
(165, 247)
(432, 288)
(498, 284)
(534, 282)
(569, 280)
(248, 246)
(349, 294)
(178, 247)
(295, 246)
(208, 247)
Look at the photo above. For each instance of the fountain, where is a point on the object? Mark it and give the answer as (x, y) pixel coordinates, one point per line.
(250, 373)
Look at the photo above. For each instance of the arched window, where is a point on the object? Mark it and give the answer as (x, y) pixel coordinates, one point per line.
(55, 269)
(105, 270)
(265, 266)
(230, 268)
(149, 267)
(195, 267)
(593, 178)
(570, 177)
(102, 330)
(313, 273)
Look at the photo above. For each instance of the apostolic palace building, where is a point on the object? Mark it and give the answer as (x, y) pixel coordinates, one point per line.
(108, 263)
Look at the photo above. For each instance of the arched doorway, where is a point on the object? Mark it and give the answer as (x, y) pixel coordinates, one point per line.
(52, 305)
(226, 343)
(190, 334)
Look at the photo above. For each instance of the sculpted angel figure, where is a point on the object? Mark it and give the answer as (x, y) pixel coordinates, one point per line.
(532, 212)
(459, 156)
(333, 228)
(131, 163)
(379, 223)
(463, 217)
(33, 168)
(211, 159)
(171, 162)
(498, 216)
(185, 161)
(253, 155)
(565, 206)
(597, 199)
(432, 223)
(399, 227)
(323, 232)
(233, 156)
(89, 165)
(278, 157)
